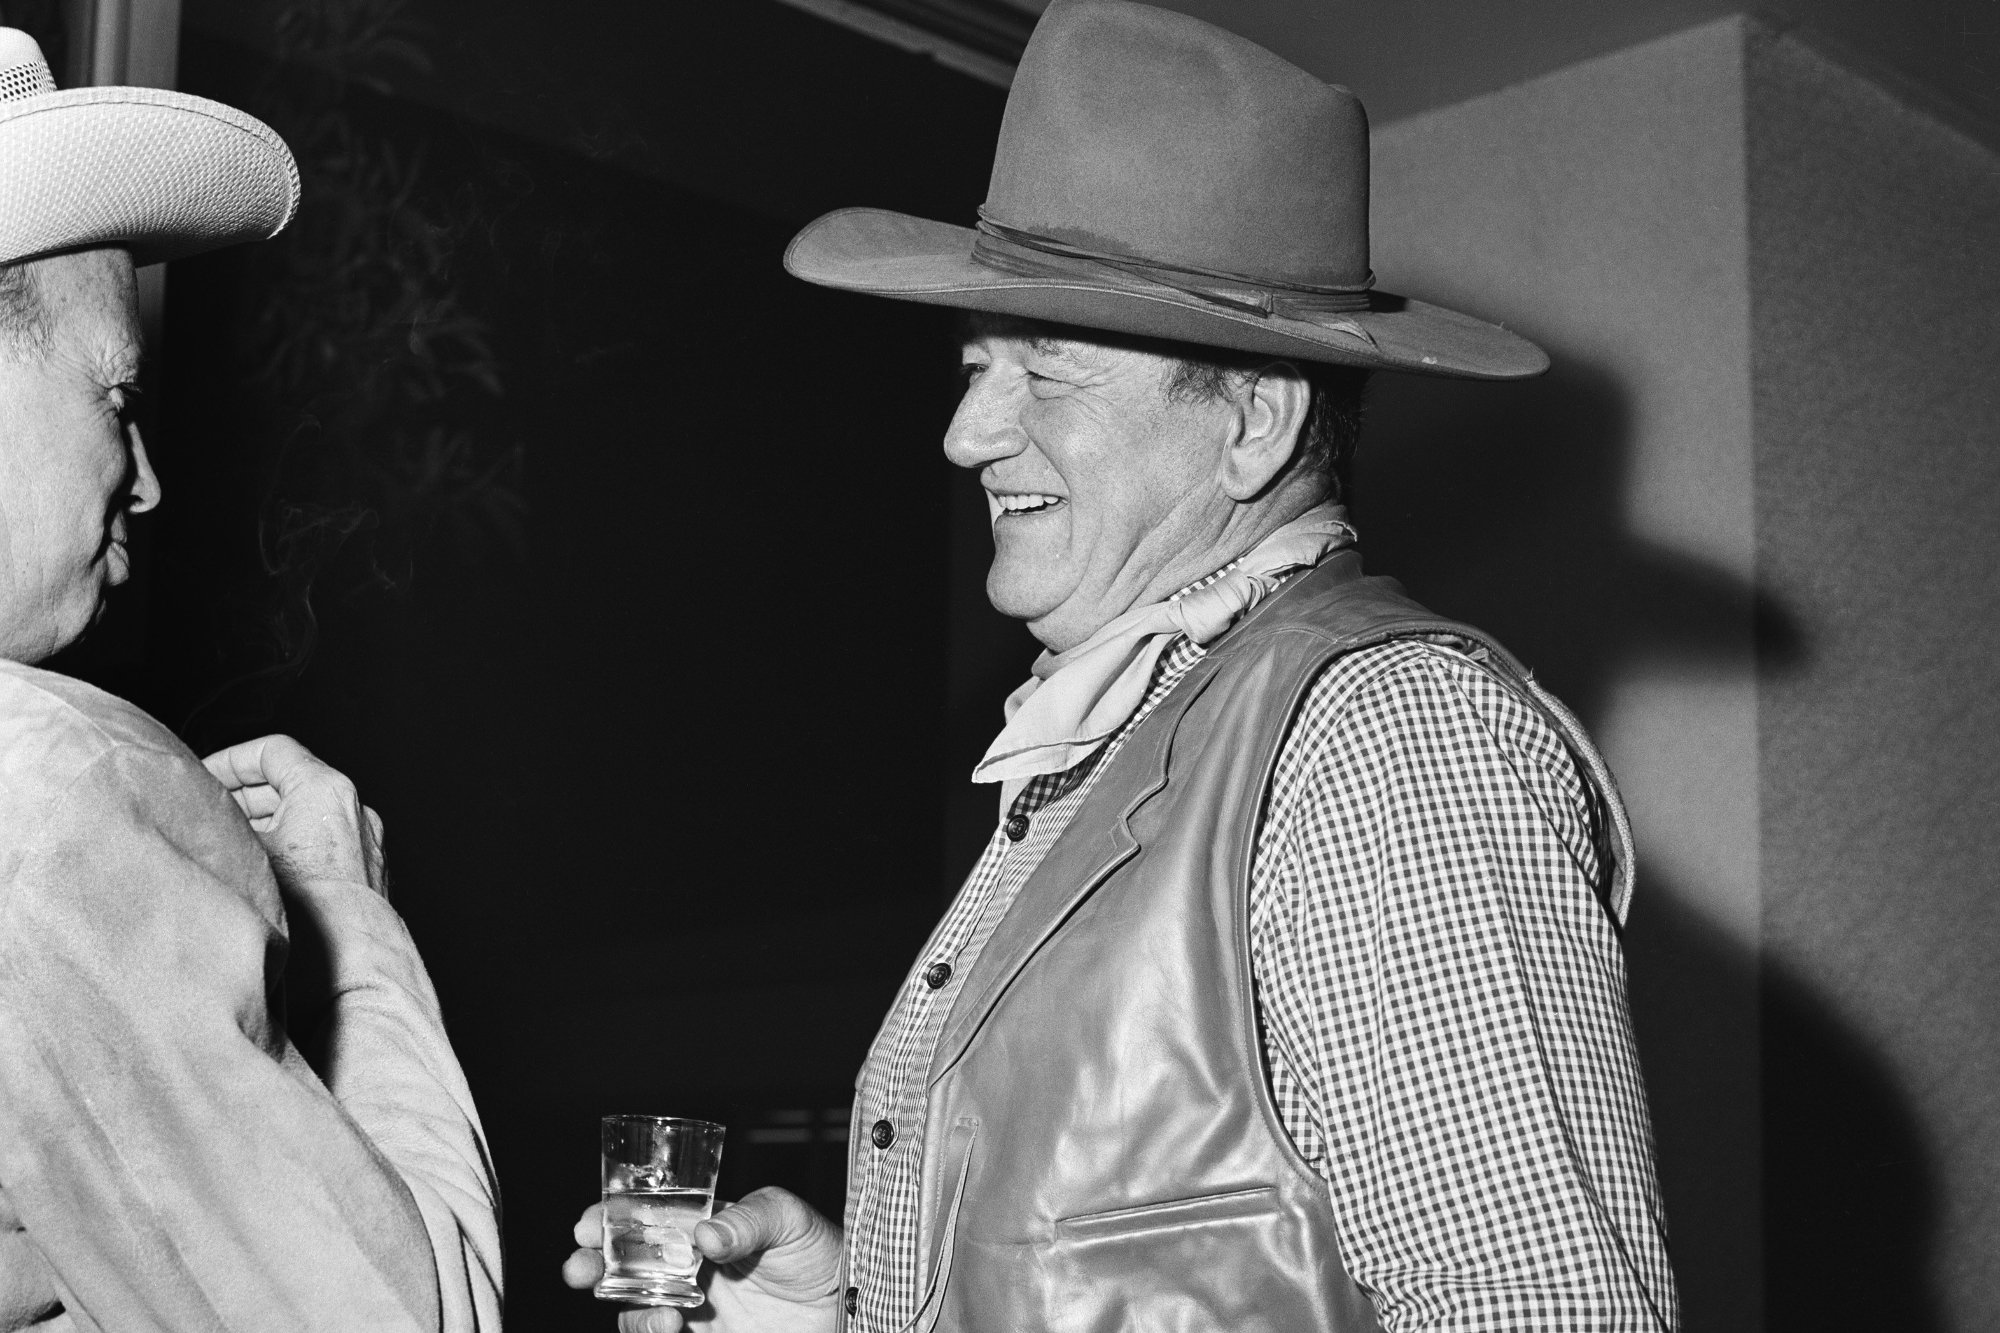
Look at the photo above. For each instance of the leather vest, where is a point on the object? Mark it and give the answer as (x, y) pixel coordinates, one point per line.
(1102, 1151)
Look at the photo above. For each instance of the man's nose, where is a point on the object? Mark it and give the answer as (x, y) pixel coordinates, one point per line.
(985, 428)
(145, 485)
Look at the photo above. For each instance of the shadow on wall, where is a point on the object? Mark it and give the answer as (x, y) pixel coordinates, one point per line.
(1853, 1196)
(1502, 505)
(1849, 1196)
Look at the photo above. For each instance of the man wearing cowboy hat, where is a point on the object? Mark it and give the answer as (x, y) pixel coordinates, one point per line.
(1288, 993)
(170, 1159)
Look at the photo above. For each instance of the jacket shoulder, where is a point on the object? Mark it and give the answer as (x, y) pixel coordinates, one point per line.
(1336, 608)
(54, 728)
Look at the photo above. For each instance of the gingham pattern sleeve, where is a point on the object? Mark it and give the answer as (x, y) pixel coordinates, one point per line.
(1444, 1011)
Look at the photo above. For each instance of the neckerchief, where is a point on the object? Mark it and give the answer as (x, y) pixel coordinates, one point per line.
(1076, 700)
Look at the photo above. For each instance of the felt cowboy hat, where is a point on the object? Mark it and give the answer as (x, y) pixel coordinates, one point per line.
(1161, 177)
(159, 172)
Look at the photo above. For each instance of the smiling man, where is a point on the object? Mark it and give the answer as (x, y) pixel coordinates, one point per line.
(226, 1097)
(1099, 476)
(1287, 994)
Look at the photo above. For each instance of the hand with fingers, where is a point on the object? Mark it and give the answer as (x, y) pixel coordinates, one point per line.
(307, 814)
(776, 1269)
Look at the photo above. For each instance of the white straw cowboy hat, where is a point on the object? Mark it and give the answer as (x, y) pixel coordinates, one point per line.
(1159, 176)
(159, 172)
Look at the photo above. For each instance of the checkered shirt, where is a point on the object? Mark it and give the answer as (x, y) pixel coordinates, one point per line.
(1442, 999)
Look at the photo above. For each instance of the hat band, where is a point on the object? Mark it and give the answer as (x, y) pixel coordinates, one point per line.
(1011, 250)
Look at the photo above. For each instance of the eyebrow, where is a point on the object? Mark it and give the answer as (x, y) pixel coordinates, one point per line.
(1051, 345)
(1065, 353)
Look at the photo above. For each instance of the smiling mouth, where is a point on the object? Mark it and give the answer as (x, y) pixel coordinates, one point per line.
(1024, 503)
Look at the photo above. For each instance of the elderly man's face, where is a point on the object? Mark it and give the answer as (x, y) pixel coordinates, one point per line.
(1097, 482)
(71, 465)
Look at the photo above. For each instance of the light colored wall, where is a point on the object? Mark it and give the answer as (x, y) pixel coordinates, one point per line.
(1409, 57)
(1601, 521)
(1875, 280)
(1749, 525)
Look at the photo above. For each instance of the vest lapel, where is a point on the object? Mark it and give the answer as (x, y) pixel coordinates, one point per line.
(1098, 840)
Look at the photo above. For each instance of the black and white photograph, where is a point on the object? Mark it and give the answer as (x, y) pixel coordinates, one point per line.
(999, 666)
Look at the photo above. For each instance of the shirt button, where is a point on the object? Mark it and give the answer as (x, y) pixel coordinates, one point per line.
(853, 1299)
(1017, 827)
(939, 974)
(883, 1134)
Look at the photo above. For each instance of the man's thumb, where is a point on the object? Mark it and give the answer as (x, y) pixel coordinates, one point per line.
(720, 1241)
(762, 1220)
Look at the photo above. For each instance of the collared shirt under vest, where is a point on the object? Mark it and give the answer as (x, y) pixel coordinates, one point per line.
(1298, 1005)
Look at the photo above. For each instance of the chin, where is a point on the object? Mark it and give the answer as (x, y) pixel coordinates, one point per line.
(1020, 597)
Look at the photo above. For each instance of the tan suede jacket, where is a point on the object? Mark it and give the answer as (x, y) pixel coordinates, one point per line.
(175, 1161)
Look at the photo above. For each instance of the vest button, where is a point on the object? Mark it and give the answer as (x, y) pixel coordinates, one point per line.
(853, 1299)
(1017, 827)
(939, 974)
(883, 1134)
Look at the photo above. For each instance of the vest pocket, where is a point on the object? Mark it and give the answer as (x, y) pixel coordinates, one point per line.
(942, 1215)
(1168, 1215)
(1219, 1261)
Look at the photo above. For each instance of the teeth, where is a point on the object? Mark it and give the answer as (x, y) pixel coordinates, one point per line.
(1015, 504)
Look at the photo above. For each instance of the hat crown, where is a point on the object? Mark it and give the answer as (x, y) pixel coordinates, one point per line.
(23, 70)
(158, 172)
(1143, 133)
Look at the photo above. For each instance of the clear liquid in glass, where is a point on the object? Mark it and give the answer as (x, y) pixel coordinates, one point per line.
(649, 1253)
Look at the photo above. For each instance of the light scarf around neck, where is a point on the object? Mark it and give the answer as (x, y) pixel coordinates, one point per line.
(1077, 700)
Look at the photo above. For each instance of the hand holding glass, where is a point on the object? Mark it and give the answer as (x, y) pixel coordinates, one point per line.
(659, 1181)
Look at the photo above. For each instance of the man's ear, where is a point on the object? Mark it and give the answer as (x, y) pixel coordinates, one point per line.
(1271, 413)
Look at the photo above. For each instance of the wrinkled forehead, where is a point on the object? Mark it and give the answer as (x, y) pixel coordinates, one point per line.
(98, 285)
(83, 301)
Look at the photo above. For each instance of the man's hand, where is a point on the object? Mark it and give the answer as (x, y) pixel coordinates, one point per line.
(308, 815)
(777, 1269)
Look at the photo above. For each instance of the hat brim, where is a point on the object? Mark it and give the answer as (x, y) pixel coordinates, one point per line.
(908, 258)
(160, 172)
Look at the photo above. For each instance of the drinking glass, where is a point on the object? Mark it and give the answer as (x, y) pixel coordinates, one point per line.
(659, 1181)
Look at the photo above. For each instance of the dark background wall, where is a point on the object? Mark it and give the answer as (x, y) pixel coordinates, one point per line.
(619, 559)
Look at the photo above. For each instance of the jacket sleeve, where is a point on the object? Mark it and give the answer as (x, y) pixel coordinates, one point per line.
(386, 1061)
(171, 1154)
